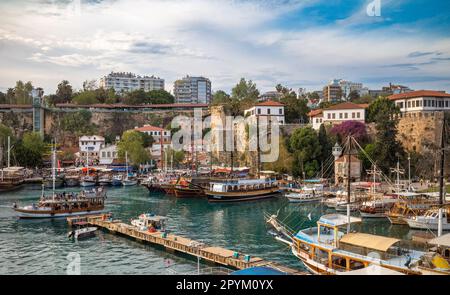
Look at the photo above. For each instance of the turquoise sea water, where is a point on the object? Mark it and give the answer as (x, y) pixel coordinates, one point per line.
(42, 247)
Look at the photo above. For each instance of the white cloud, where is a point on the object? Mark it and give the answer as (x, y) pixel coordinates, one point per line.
(224, 40)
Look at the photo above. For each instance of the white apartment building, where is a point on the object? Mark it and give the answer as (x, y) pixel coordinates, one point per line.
(270, 109)
(192, 90)
(108, 154)
(346, 111)
(91, 145)
(422, 101)
(125, 82)
(158, 134)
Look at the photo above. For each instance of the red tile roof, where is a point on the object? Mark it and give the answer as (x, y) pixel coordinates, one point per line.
(346, 106)
(270, 103)
(315, 113)
(419, 93)
(149, 128)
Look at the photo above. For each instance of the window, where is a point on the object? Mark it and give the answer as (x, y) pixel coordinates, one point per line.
(334, 116)
(259, 111)
(329, 116)
(358, 115)
(340, 115)
(280, 111)
(268, 111)
(103, 154)
(409, 104)
(346, 115)
(353, 115)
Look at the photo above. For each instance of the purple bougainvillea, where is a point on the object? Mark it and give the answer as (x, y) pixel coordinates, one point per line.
(355, 128)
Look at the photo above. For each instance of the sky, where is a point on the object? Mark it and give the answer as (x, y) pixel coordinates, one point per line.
(297, 43)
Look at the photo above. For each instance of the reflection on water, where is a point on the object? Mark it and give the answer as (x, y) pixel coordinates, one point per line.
(41, 246)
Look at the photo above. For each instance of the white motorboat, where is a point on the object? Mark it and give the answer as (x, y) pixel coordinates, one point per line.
(83, 233)
(429, 221)
(305, 196)
(88, 181)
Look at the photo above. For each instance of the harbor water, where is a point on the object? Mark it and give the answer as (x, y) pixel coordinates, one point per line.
(42, 247)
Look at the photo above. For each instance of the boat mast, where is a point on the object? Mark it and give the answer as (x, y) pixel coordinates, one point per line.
(9, 151)
(126, 164)
(348, 182)
(441, 178)
(1, 157)
(257, 148)
(54, 168)
(409, 171)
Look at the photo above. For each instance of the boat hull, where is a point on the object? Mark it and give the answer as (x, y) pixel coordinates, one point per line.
(87, 183)
(28, 214)
(242, 196)
(189, 193)
(425, 225)
(129, 182)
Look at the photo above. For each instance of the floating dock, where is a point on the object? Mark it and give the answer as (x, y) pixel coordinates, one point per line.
(184, 245)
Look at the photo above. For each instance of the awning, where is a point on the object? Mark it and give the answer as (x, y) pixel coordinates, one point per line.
(371, 270)
(374, 242)
(443, 240)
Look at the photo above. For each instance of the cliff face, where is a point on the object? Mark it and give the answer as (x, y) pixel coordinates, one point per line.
(420, 132)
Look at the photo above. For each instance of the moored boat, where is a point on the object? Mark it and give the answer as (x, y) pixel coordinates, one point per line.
(238, 190)
(88, 181)
(306, 195)
(62, 205)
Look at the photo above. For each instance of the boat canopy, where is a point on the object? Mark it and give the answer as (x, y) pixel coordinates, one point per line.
(337, 219)
(443, 240)
(369, 241)
(260, 271)
(372, 269)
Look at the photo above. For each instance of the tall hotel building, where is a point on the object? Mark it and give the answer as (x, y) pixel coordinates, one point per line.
(192, 90)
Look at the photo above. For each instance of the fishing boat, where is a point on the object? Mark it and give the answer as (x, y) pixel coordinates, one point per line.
(72, 180)
(150, 222)
(377, 206)
(187, 189)
(105, 180)
(128, 180)
(117, 180)
(238, 190)
(59, 182)
(83, 233)
(407, 206)
(169, 187)
(429, 220)
(306, 195)
(88, 181)
(11, 178)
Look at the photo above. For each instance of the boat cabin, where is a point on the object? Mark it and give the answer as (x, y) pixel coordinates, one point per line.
(150, 220)
(441, 245)
(242, 185)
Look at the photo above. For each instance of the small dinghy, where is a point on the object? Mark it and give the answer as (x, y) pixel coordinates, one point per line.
(82, 233)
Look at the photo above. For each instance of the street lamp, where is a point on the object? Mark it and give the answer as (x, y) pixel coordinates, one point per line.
(337, 151)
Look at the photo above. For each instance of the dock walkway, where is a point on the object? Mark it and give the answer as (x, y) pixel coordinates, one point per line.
(187, 246)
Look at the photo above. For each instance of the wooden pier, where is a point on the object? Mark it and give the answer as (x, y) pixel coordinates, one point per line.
(187, 246)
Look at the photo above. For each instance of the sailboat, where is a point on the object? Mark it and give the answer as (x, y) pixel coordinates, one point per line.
(88, 180)
(128, 181)
(63, 204)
